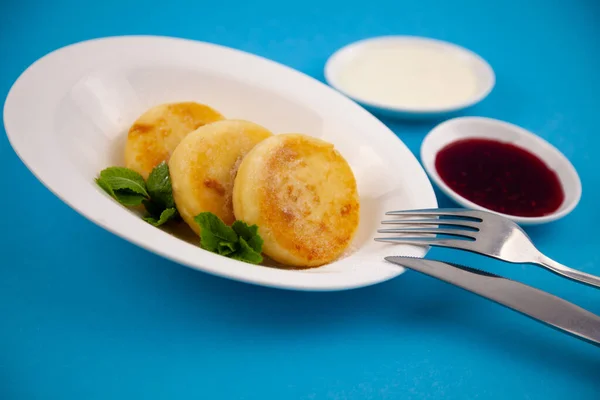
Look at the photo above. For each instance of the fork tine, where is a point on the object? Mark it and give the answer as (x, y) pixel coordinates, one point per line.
(442, 212)
(438, 242)
(439, 231)
(434, 221)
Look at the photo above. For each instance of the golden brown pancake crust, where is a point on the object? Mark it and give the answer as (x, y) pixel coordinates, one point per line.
(155, 134)
(306, 203)
(204, 166)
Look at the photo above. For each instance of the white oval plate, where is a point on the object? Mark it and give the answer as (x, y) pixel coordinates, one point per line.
(68, 114)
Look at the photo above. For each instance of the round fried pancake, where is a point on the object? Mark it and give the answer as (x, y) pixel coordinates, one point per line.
(204, 165)
(155, 134)
(302, 194)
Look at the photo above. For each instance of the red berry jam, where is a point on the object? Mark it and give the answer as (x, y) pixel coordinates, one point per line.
(500, 176)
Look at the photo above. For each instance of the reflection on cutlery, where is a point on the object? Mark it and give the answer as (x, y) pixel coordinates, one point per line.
(534, 303)
(480, 232)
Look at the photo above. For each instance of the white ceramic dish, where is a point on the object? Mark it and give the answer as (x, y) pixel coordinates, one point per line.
(482, 75)
(68, 114)
(479, 127)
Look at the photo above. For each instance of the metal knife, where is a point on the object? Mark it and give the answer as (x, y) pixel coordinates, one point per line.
(534, 303)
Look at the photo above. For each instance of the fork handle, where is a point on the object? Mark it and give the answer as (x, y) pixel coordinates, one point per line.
(570, 273)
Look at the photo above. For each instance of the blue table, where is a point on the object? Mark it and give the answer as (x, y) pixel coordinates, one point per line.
(86, 315)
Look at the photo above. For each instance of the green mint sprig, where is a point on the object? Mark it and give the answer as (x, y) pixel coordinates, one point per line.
(124, 185)
(238, 241)
(129, 188)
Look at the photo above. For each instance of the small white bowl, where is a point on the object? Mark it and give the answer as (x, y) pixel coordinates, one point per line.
(479, 127)
(358, 52)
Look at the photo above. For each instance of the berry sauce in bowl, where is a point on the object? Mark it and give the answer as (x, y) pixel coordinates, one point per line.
(495, 166)
(500, 176)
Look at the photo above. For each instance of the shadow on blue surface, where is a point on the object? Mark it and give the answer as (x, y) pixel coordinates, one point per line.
(410, 306)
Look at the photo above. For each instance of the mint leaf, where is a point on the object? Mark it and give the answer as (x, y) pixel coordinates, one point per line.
(246, 253)
(249, 234)
(123, 196)
(165, 216)
(129, 188)
(124, 185)
(238, 241)
(226, 248)
(106, 187)
(153, 209)
(129, 199)
(159, 186)
(256, 242)
(243, 230)
(119, 178)
(214, 232)
(161, 206)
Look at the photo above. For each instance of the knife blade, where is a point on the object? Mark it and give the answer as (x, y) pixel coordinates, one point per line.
(534, 303)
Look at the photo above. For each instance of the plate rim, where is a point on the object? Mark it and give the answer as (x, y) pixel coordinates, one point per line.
(267, 276)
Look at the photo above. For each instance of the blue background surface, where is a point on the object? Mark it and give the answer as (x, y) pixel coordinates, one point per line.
(86, 315)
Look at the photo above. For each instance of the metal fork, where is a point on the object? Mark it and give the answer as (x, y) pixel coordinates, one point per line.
(476, 231)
